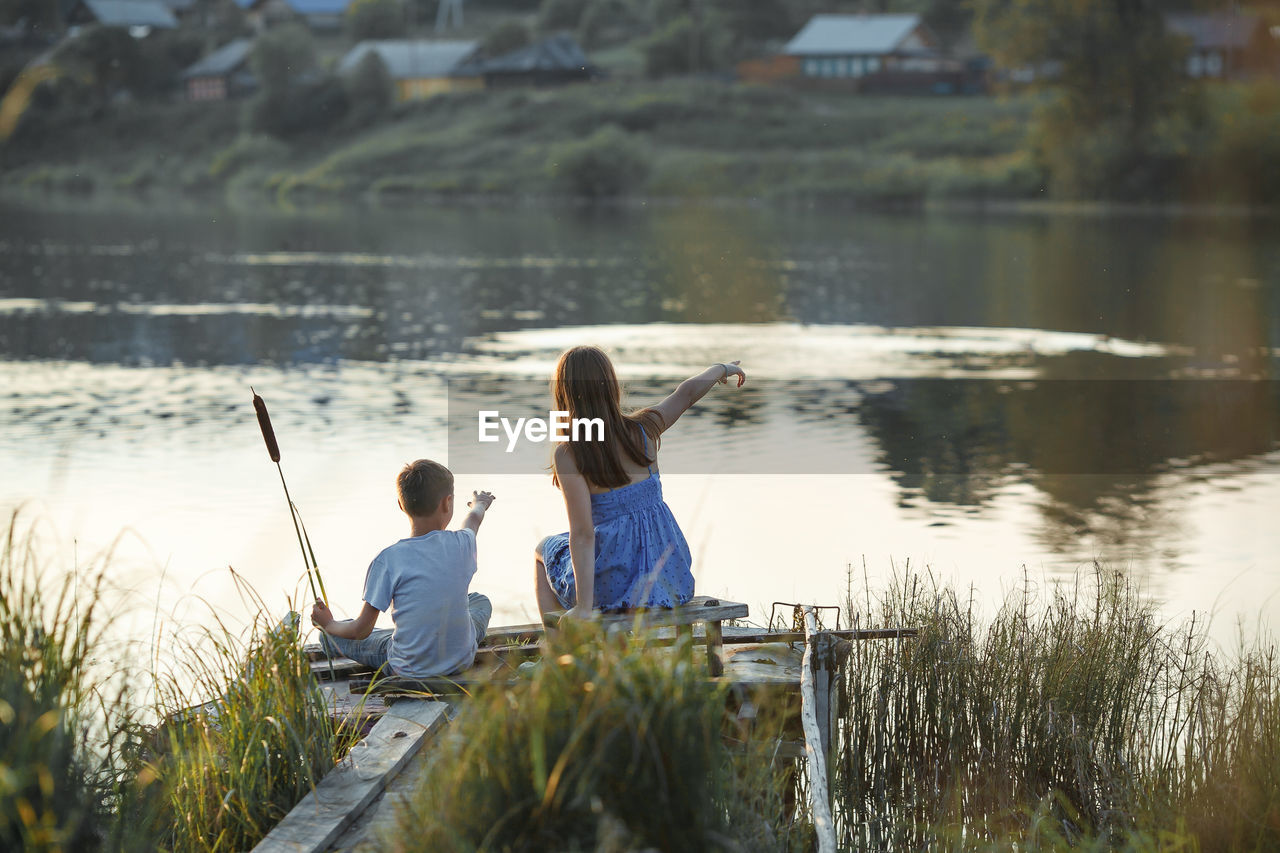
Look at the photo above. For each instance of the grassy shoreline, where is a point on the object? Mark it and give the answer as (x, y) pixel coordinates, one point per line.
(688, 142)
(1071, 718)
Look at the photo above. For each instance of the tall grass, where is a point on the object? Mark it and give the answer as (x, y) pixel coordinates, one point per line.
(1074, 717)
(237, 765)
(79, 769)
(608, 745)
(68, 779)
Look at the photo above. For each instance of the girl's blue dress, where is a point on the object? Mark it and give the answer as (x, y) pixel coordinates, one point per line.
(642, 558)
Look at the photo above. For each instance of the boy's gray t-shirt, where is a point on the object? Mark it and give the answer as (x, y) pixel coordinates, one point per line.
(424, 581)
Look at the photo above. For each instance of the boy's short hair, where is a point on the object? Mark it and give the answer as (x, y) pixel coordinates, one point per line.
(422, 485)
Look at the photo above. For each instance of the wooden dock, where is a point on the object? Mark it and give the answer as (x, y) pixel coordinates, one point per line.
(402, 716)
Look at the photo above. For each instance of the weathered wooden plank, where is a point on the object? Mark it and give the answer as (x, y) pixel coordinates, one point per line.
(767, 666)
(341, 668)
(701, 608)
(732, 636)
(750, 635)
(819, 797)
(340, 796)
(344, 667)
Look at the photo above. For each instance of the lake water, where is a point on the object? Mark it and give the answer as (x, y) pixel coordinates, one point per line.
(988, 396)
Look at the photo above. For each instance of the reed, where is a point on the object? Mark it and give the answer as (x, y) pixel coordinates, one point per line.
(234, 766)
(608, 745)
(85, 765)
(68, 777)
(1073, 718)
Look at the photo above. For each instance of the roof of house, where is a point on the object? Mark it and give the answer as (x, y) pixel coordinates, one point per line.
(556, 53)
(850, 34)
(303, 7)
(319, 7)
(410, 59)
(1215, 29)
(225, 60)
(131, 13)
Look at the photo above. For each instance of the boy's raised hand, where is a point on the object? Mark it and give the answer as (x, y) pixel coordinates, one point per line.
(481, 499)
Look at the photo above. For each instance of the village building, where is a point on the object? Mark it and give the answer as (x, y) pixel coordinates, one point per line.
(321, 14)
(551, 62)
(876, 53)
(317, 14)
(853, 46)
(222, 74)
(1226, 45)
(139, 17)
(420, 68)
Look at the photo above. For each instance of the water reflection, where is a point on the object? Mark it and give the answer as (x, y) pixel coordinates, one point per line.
(434, 279)
(1095, 426)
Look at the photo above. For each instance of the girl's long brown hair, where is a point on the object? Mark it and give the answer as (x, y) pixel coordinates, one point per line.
(585, 386)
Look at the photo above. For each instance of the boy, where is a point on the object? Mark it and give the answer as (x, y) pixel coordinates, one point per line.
(424, 580)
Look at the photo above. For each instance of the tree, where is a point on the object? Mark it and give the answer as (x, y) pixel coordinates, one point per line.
(1115, 72)
(505, 38)
(370, 90)
(686, 46)
(281, 55)
(40, 15)
(375, 19)
(107, 58)
(560, 14)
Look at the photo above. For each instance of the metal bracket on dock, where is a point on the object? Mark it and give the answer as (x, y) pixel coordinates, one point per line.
(797, 614)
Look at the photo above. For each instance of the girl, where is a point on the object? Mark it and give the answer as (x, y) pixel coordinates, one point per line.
(624, 549)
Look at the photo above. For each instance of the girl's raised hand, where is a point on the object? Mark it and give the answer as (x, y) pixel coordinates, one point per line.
(731, 368)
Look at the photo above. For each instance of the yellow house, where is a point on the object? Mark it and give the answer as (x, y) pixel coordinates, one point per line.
(420, 68)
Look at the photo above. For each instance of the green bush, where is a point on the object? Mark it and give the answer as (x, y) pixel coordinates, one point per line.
(610, 162)
(301, 108)
(608, 745)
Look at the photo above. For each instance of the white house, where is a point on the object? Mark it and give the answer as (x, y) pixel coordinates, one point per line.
(844, 46)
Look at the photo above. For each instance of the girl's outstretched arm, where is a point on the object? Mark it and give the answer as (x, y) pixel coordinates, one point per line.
(694, 388)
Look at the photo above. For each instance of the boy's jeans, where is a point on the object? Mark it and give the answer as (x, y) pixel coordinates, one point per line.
(372, 650)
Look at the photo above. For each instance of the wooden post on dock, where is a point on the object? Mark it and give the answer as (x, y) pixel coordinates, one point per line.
(815, 716)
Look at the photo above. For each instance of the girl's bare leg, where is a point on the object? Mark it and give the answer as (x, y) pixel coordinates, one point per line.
(547, 601)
